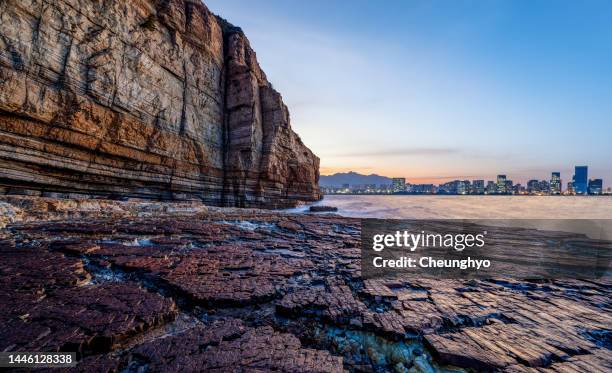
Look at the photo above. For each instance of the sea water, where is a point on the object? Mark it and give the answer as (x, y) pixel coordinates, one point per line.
(469, 207)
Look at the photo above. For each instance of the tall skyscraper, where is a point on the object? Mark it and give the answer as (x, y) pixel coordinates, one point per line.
(581, 180)
(555, 183)
(398, 184)
(501, 184)
(595, 186)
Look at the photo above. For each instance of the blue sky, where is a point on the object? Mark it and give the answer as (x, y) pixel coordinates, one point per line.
(437, 90)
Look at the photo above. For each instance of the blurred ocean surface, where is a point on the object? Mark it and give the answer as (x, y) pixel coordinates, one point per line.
(469, 207)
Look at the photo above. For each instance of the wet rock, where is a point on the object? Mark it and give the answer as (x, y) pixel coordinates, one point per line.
(88, 320)
(228, 345)
(48, 306)
(323, 209)
(253, 279)
(106, 363)
(36, 271)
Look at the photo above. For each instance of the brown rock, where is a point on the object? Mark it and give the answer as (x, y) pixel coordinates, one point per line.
(229, 346)
(147, 99)
(250, 282)
(323, 209)
(46, 306)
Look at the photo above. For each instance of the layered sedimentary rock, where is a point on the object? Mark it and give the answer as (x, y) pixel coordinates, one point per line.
(253, 290)
(146, 98)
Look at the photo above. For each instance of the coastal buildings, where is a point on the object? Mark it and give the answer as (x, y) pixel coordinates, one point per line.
(555, 183)
(509, 187)
(422, 189)
(580, 180)
(463, 187)
(595, 186)
(478, 187)
(501, 186)
(452, 187)
(398, 184)
(518, 189)
(491, 187)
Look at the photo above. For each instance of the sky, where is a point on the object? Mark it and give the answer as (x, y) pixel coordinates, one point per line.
(441, 90)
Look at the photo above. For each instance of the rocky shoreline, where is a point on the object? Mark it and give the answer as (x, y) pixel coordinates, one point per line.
(146, 286)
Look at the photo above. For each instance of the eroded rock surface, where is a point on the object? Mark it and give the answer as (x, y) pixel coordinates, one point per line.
(48, 304)
(250, 290)
(147, 98)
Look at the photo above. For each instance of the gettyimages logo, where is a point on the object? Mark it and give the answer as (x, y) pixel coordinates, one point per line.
(413, 241)
(486, 248)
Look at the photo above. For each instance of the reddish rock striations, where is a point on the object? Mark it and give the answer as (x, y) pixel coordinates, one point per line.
(265, 155)
(145, 99)
(49, 304)
(228, 346)
(150, 289)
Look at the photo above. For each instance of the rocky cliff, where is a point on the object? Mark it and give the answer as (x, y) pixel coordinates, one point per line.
(152, 99)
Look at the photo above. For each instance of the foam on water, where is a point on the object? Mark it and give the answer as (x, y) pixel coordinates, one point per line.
(471, 207)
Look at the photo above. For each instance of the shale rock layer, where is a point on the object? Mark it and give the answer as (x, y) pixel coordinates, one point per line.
(152, 99)
(134, 287)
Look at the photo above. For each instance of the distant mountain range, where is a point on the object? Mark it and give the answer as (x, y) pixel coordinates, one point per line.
(352, 178)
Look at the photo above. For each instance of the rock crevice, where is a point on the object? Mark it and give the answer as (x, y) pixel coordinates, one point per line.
(156, 99)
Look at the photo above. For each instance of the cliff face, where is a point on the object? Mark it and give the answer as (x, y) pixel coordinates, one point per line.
(142, 98)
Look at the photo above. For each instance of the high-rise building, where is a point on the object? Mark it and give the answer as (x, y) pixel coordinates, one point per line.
(544, 187)
(478, 187)
(501, 184)
(518, 189)
(581, 180)
(509, 187)
(491, 187)
(555, 183)
(452, 187)
(423, 189)
(398, 184)
(463, 187)
(595, 186)
(533, 186)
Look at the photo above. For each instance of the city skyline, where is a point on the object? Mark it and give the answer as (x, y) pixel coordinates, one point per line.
(435, 90)
(443, 179)
(579, 183)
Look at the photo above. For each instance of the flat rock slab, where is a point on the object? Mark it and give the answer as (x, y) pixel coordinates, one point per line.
(227, 345)
(256, 285)
(48, 305)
